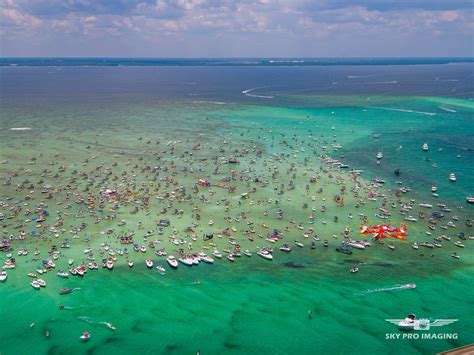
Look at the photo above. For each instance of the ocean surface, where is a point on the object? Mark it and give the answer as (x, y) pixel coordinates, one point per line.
(85, 114)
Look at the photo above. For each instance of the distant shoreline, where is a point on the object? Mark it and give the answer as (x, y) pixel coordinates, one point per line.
(266, 62)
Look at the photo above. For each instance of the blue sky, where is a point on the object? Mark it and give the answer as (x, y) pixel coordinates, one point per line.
(239, 28)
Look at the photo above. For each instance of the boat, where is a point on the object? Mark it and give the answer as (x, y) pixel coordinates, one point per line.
(455, 255)
(425, 147)
(186, 261)
(85, 336)
(130, 263)
(459, 244)
(286, 248)
(3, 276)
(247, 253)
(415, 246)
(109, 265)
(41, 282)
(35, 285)
(452, 177)
(230, 257)
(470, 199)
(391, 246)
(354, 269)
(207, 259)
(65, 291)
(160, 268)
(298, 243)
(63, 273)
(379, 155)
(434, 188)
(216, 254)
(408, 323)
(172, 261)
(149, 263)
(265, 254)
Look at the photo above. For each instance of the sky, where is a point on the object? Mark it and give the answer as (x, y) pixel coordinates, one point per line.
(237, 28)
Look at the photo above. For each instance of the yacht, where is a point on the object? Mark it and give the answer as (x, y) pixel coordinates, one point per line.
(216, 254)
(172, 261)
(265, 254)
(149, 263)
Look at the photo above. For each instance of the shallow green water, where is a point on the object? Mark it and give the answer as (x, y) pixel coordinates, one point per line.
(252, 305)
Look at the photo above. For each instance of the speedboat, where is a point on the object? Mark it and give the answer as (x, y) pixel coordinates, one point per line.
(455, 255)
(35, 285)
(452, 177)
(41, 282)
(160, 268)
(247, 253)
(286, 248)
(3, 276)
(130, 263)
(379, 155)
(65, 291)
(408, 286)
(149, 263)
(85, 336)
(408, 323)
(206, 258)
(470, 199)
(459, 244)
(391, 246)
(172, 261)
(298, 243)
(186, 261)
(354, 269)
(230, 257)
(216, 254)
(425, 147)
(415, 246)
(434, 188)
(63, 273)
(265, 254)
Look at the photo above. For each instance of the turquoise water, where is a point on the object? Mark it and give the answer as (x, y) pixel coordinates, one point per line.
(306, 301)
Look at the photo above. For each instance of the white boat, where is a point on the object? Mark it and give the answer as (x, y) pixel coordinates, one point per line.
(452, 177)
(265, 254)
(85, 336)
(411, 219)
(149, 263)
(354, 270)
(425, 147)
(41, 282)
(161, 268)
(63, 274)
(216, 254)
(172, 261)
(247, 253)
(3, 276)
(143, 249)
(109, 265)
(426, 205)
(415, 246)
(379, 155)
(408, 323)
(286, 248)
(130, 263)
(35, 285)
(459, 244)
(298, 243)
(470, 199)
(206, 258)
(355, 245)
(434, 188)
(70, 261)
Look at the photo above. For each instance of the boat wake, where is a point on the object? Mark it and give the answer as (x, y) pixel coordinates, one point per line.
(91, 322)
(248, 93)
(209, 102)
(404, 110)
(386, 289)
(447, 109)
